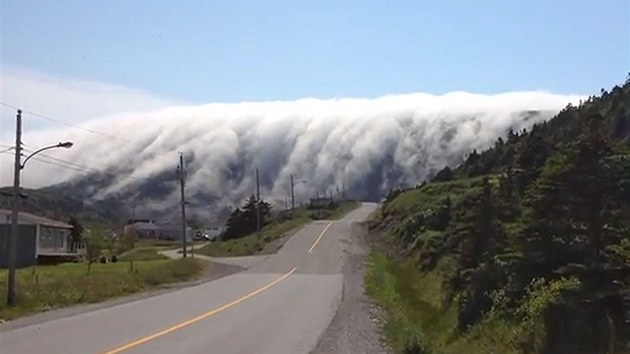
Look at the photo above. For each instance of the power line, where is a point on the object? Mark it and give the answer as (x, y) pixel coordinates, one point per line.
(58, 121)
(71, 165)
(67, 165)
(68, 162)
(61, 165)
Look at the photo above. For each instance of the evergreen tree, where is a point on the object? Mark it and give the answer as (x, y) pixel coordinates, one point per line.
(509, 198)
(444, 216)
(243, 222)
(234, 227)
(446, 174)
(574, 207)
(76, 235)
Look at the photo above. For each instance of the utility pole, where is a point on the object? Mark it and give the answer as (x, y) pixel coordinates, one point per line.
(11, 293)
(182, 174)
(338, 197)
(257, 203)
(292, 194)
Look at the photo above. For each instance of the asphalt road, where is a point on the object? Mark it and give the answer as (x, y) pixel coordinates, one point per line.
(281, 304)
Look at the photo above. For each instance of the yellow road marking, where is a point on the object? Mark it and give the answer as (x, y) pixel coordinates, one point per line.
(181, 325)
(319, 238)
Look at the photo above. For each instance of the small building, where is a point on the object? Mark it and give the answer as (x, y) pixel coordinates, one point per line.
(317, 203)
(37, 237)
(214, 232)
(173, 231)
(146, 230)
(150, 230)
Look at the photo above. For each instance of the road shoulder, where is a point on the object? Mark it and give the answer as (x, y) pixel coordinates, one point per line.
(354, 329)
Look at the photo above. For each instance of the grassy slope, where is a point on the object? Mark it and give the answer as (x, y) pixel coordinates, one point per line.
(418, 319)
(142, 254)
(42, 288)
(147, 250)
(418, 316)
(252, 244)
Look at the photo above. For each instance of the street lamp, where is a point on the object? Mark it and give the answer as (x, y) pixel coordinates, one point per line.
(11, 293)
(65, 145)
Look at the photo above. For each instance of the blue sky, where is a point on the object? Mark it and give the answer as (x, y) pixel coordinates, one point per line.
(228, 51)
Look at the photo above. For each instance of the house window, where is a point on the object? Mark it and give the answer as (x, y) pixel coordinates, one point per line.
(46, 239)
(52, 239)
(59, 239)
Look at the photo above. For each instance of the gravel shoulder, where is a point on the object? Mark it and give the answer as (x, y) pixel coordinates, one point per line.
(355, 327)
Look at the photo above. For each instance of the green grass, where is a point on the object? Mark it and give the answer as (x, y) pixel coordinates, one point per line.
(252, 244)
(142, 254)
(159, 245)
(432, 193)
(42, 288)
(416, 318)
(419, 320)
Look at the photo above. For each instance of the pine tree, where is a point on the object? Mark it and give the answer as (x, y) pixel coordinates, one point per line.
(509, 198)
(76, 235)
(574, 206)
(242, 221)
(234, 225)
(444, 214)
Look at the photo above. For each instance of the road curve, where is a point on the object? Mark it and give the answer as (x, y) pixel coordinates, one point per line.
(281, 304)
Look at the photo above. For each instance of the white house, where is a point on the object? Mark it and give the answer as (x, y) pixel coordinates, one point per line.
(37, 237)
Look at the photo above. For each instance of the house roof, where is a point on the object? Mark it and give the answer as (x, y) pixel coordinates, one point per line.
(31, 219)
(145, 226)
(172, 226)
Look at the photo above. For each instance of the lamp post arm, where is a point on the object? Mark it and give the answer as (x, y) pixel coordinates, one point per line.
(35, 153)
(60, 145)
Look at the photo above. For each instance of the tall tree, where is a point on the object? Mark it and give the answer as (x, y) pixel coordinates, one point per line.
(574, 206)
(242, 221)
(234, 226)
(76, 235)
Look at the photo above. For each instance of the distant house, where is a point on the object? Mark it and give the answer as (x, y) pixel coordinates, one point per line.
(214, 232)
(146, 230)
(320, 202)
(37, 237)
(173, 231)
(151, 230)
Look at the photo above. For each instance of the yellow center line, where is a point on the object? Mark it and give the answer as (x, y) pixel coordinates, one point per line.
(181, 325)
(319, 238)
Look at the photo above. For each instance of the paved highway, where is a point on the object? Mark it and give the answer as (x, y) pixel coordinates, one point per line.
(282, 304)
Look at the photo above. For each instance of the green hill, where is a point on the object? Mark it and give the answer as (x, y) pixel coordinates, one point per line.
(524, 248)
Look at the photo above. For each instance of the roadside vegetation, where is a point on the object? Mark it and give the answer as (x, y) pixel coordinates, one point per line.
(142, 254)
(248, 242)
(43, 288)
(110, 268)
(524, 248)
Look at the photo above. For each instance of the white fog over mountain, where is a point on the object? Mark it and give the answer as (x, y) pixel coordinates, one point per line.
(366, 145)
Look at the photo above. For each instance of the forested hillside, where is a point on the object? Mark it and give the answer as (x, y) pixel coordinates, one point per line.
(524, 248)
